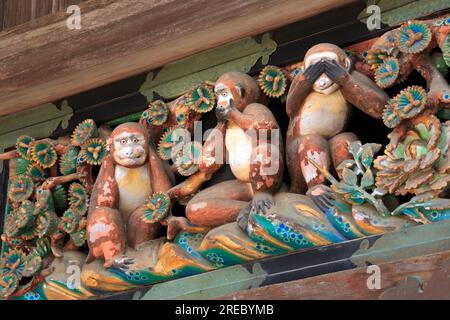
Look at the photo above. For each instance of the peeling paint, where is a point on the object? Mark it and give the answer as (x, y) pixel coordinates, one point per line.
(98, 230)
(310, 172)
(197, 206)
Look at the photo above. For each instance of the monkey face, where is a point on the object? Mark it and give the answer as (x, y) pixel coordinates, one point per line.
(225, 100)
(235, 89)
(324, 84)
(129, 149)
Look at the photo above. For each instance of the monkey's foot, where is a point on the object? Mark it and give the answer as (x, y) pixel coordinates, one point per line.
(242, 219)
(261, 202)
(177, 224)
(121, 263)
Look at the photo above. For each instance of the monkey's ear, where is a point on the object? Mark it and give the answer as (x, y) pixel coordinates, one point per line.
(108, 144)
(241, 90)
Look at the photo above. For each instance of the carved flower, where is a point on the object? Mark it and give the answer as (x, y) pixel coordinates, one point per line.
(416, 158)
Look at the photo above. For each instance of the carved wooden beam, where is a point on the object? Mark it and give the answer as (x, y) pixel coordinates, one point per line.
(423, 277)
(43, 61)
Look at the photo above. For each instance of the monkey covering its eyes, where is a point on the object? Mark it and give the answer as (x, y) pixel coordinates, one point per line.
(318, 105)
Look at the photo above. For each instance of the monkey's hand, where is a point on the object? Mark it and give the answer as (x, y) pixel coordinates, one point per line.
(242, 219)
(223, 113)
(313, 72)
(262, 201)
(335, 71)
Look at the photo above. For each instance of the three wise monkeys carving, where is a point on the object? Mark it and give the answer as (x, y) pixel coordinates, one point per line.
(318, 105)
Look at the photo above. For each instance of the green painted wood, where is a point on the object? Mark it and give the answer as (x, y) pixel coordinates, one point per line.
(39, 123)
(128, 118)
(176, 78)
(206, 285)
(394, 12)
(385, 5)
(407, 243)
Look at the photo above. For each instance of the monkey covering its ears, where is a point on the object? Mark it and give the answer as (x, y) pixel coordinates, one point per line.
(128, 176)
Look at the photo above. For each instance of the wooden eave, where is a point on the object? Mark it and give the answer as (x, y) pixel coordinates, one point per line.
(43, 61)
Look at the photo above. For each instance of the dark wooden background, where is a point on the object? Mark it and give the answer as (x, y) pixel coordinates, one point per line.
(17, 12)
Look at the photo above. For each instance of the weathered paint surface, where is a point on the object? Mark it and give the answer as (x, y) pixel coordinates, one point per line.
(207, 285)
(416, 288)
(39, 122)
(410, 242)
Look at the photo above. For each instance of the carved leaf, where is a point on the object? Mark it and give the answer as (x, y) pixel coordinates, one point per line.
(346, 164)
(354, 148)
(342, 188)
(349, 177)
(367, 156)
(419, 178)
(367, 180)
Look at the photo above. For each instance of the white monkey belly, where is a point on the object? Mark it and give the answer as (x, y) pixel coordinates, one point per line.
(325, 115)
(239, 146)
(134, 188)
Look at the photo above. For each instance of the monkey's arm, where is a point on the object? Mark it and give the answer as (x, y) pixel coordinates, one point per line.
(298, 91)
(106, 236)
(244, 121)
(364, 94)
(106, 191)
(189, 186)
(301, 87)
(211, 160)
(159, 178)
(358, 90)
(253, 117)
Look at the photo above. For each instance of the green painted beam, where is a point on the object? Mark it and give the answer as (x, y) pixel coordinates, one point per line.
(207, 285)
(39, 123)
(394, 12)
(412, 242)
